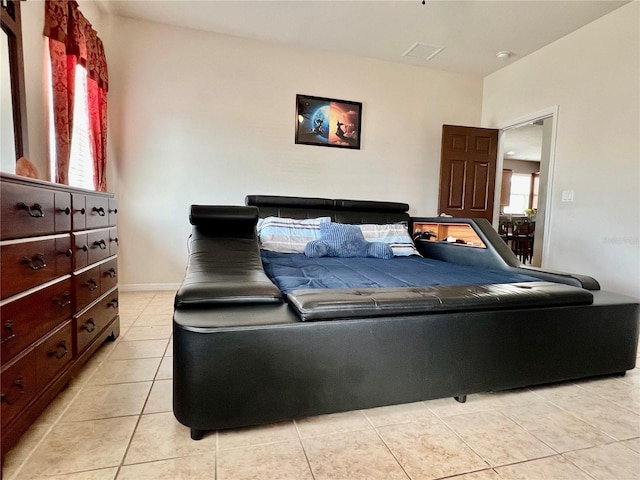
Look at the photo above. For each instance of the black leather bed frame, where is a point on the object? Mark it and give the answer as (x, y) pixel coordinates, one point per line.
(243, 356)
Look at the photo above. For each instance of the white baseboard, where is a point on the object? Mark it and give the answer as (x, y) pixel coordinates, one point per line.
(147, 287)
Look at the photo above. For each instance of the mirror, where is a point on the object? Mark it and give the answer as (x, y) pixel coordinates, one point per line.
(7, 136)
(13, 133)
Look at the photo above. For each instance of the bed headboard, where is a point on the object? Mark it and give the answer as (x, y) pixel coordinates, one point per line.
(340, 210)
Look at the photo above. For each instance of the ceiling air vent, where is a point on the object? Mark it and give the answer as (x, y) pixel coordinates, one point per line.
(423, 51)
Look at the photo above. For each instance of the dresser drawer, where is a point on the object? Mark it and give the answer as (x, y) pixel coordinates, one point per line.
(17, 386)
(113, 241)
(113, 212)
(53, 353)
(97, 214)
(28, 264)
(79, 209)
(91, 322)
(28, 318)
(29, 211)
(108, 275)
(98, 242)
(87, 287)
(80, 250)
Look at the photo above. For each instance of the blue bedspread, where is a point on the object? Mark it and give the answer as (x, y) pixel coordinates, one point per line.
(294, 271)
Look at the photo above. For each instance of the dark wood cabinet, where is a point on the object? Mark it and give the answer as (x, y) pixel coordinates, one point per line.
(505, 191)
(58, 292)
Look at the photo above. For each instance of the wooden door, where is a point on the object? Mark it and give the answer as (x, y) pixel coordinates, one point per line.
(468, 171)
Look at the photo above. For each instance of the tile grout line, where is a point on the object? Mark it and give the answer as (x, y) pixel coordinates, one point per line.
(304, 450)
(578, 466)
(584, 420)
(532, 432)
(126, 450)
(135, 428)
(215, 473)
(375, 429)
(464, 441)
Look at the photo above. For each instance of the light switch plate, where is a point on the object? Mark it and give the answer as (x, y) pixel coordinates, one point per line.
(567, 195)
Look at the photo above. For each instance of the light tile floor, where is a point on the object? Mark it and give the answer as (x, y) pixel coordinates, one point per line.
(115, 420)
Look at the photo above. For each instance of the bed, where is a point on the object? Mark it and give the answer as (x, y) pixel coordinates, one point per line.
(247, 352)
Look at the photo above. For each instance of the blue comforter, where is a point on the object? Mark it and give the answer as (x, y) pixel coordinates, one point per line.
(294, 271)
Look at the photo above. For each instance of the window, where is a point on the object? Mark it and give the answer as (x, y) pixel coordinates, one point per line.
(79, 81)
(520, 193)
(81, 163)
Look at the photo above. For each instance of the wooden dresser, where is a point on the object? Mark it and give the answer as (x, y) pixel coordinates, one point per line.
(58, 292)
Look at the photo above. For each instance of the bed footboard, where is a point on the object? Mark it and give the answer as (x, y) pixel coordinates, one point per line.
(250, 365)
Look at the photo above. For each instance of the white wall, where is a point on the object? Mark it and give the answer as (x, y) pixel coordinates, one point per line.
(203, 118)
(593, 75)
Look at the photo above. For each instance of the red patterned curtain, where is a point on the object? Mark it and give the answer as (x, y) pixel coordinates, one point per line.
(73, 41)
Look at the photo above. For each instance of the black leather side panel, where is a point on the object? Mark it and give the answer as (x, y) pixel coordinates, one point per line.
(226, 377)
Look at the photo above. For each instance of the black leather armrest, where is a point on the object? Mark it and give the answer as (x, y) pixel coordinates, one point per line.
(496, 254)
(224, 266)
(578, 280)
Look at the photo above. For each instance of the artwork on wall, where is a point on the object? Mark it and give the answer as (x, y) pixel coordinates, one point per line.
(328, 122)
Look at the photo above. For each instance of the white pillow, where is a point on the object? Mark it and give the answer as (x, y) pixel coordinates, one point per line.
(395, 234)
(288, 235)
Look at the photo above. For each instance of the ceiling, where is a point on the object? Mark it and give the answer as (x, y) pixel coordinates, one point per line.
(471, 31)
(523, 142)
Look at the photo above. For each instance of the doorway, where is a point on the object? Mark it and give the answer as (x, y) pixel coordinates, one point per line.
(531, 143)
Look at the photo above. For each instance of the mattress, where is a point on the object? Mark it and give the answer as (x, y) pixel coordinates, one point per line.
(295, 271)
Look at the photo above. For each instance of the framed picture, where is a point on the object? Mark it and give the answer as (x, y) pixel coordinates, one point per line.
(328, 122)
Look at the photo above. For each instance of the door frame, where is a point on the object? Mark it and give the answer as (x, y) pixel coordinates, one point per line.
(548, 198)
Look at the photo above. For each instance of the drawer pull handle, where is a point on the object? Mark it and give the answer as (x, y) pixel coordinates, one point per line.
(34, 210)
(60, 351)
(8, 325)
(68, 253)
(63, 300)
(113, 303)
(89, 325)
(111, 272)
(91, 284)
(84, 248)
(100, 211)
(66, 211)
(35, 263)
(7, 398)
(115, 210)
(82, 211)
(115, 239)
(102, 244)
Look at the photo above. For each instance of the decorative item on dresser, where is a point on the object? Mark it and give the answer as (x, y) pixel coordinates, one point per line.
(58, 292)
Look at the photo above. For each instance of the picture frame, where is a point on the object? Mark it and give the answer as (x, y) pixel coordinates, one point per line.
(328, 122)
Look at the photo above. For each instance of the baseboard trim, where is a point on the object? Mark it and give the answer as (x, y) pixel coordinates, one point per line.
(148, 287)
